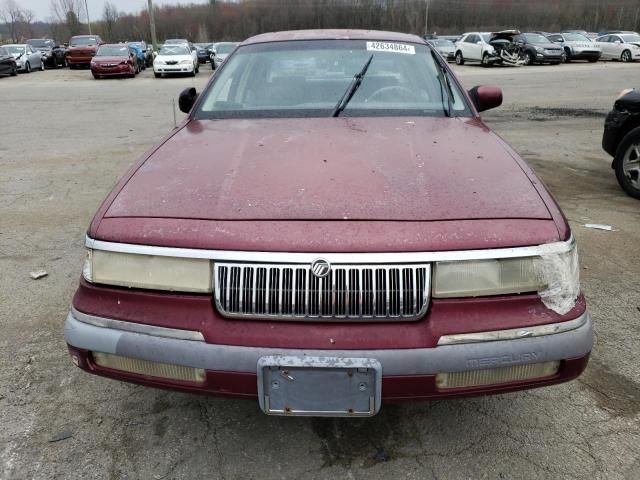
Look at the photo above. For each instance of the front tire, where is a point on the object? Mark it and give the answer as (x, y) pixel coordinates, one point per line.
(27, 68)
(14, 72)
(157, 75)
(529, 59)
(627, 163)
(459, 59)
(626, 56)
(485, 61)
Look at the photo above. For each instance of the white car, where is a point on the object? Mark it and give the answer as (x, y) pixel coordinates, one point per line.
(474, 47)
(620, 46)
(175, 59)
(27, 58)
(221, 51)
(577, 47)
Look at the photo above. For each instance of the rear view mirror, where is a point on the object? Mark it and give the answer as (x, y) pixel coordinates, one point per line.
(485, 98)
(187, 99)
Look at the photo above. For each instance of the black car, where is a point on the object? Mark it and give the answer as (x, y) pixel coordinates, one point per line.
(539, 49)
(53, 54)
(204, 51)
(621, 140)
(7, 63)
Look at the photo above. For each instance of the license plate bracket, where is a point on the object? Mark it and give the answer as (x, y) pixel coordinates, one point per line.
(319, 386)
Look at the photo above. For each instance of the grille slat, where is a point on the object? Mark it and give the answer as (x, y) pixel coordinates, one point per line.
(348, 292)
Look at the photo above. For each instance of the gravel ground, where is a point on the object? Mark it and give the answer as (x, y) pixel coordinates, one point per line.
(64, 141)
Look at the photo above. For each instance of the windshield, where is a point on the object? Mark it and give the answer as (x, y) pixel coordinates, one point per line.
(225, 48)
(443, 43)
(113, 51)
(3, 51)
(13, 50)
(309, 78)
(41, 43)
(486, 37)
(137, 44)
(575, 37)
(175, 41)
(78, 41)
(174, 50)
(535, 38)
(631, 38)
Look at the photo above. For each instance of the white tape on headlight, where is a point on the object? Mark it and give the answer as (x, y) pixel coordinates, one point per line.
(555, 277)
(148, 271)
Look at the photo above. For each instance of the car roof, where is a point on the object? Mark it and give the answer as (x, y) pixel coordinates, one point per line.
(333, 34)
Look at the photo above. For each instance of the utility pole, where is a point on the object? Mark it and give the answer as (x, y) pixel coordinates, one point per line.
(86, 6)
(426, 17)
(152, 21)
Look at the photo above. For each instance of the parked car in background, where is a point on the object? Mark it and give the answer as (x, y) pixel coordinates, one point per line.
(81, 50)
(446, 48)
(203, 53)
(26, 57)
(177, 41)
(139, 57)
(8, 64)
(324, 266)
(53, 54)
(539, 49)
(576, 46)
(147, 50)
(621, 46)
(221, 50)
(175, 58)
(475, 47)
(451, 38)
(114, 60)
(621, 140)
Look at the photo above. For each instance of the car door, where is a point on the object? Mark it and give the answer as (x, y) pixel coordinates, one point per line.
(617, 46)
(35, 59)
(470, 48)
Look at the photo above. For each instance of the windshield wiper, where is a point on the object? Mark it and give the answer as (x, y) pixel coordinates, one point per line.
(443, 79)
(353, 88)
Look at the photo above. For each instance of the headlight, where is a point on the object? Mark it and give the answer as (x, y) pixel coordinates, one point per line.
(555, 277)
(539, 49)
(148, 271)
(185, 62)
(158, 62)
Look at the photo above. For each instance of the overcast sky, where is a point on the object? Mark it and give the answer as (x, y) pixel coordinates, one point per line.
(42, 8)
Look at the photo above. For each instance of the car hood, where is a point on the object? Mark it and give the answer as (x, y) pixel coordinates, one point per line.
(403, 169)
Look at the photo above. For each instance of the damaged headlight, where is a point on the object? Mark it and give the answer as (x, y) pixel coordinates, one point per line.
(554, 276)
(148, 271)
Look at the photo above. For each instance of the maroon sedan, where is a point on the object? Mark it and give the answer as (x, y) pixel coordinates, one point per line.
(332, 227)
(113, 61)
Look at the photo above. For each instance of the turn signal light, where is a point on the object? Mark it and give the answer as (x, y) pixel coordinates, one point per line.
(496, 376)
(152, 369)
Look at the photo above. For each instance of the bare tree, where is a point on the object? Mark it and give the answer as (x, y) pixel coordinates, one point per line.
(13, 15)
(109, 18)
(68, 12)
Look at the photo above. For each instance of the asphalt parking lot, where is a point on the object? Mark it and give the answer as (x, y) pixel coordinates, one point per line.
(64, 141)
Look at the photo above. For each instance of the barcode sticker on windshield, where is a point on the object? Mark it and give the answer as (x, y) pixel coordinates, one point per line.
(391, 47)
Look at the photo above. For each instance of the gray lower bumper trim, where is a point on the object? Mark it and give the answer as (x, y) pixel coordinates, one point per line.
(423, 361)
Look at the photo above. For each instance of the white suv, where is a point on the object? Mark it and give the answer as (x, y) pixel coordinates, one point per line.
(475, 47)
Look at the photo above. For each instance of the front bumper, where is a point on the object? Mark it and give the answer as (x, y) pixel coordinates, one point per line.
(173, 68)
(577, 54)
(406, 373)
(71, 60)
(545, 57)
(113, 71)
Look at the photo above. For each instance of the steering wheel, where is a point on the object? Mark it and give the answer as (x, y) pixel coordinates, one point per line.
(398, 88)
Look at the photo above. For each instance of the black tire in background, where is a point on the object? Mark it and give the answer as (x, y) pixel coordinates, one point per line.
(630, 140)
(27, 68)
(459, 58)
(14, 72)
(485, 61)
(626, 56)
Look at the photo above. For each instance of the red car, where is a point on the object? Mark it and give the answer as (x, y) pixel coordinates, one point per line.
(332, 227)
(82, 48)
(115, 60)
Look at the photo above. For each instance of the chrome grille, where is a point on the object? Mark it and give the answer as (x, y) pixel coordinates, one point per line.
(293, 292)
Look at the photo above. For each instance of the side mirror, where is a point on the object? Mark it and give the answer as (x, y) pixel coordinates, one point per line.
(485, 98)
(187, 99)
(618, 42)
(479, 42)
